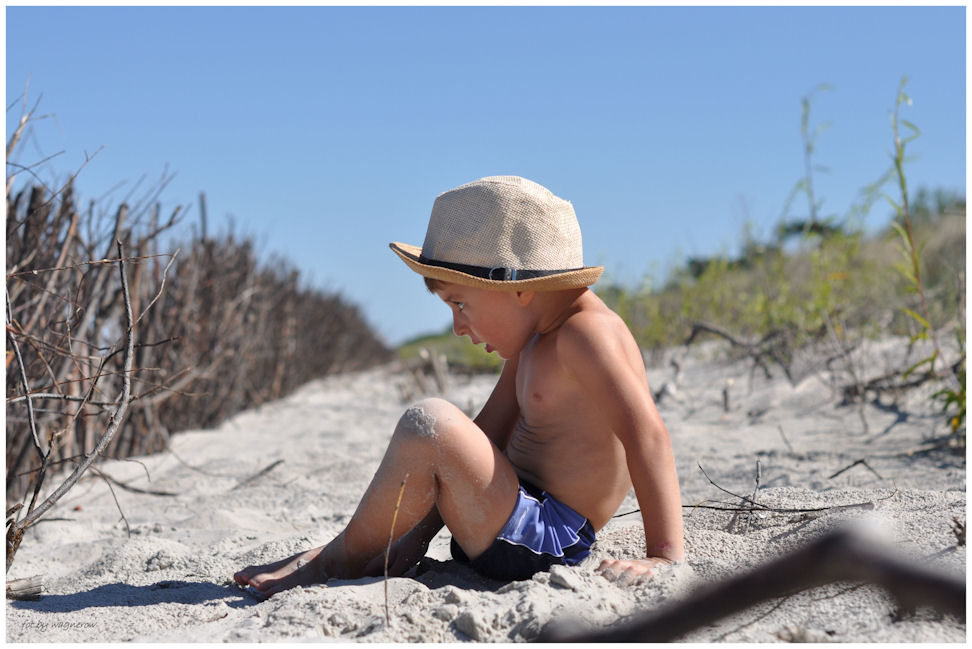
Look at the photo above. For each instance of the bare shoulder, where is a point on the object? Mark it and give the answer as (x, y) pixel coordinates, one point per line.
(596, 334)
(589, 310)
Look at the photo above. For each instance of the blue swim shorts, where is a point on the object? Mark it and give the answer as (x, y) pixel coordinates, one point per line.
(540, 532)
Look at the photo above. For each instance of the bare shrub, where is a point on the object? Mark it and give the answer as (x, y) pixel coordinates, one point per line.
(211, 330)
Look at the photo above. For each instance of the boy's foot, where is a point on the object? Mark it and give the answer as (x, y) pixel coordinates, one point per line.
(302, 569)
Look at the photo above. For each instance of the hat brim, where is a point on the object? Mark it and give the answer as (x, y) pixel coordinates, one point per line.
(579, 278)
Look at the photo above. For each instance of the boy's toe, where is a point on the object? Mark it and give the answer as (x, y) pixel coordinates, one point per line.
(242, 577)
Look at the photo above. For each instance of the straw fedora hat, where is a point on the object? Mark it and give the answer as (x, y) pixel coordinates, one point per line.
(502, 233)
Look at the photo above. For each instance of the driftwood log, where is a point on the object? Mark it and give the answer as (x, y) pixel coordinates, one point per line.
(28, 588)
(850, 554)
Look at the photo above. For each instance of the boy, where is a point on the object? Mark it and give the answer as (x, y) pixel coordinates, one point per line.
(566, 432)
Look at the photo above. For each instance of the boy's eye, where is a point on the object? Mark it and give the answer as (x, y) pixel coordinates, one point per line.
(460, 306)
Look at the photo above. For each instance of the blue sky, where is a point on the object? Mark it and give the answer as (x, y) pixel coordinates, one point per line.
(327, 132)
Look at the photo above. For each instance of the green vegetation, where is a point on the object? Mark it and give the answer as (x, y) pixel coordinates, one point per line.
(844, 277)
(952, 395)
(820, 279)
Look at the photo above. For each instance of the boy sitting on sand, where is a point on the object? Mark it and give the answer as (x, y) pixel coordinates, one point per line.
(566, 432)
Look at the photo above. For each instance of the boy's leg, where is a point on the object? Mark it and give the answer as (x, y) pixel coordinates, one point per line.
(450, 465)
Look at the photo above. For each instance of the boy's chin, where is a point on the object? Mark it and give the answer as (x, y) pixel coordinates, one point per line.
(492, 350)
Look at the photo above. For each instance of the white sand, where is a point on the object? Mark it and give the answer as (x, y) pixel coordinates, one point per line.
(170, 579)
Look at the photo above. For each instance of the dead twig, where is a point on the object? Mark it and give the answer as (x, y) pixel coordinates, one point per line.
(795, 510)
(23, 378)
(97, 375)
(728, 507)
(108, 482)
(98, 262)
(59, 397)
(72, 458)
(861, 462)
(16, 531)
(127, 487)
(752, 498)
(25, 117)
(780, 510)
(158, 294)
(259, 474)
(846, 554)
(766, 347)
(890, 383)
(391, 538)
(713, 483)
(785, 440)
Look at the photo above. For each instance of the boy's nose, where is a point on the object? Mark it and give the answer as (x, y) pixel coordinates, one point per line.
(458, 327)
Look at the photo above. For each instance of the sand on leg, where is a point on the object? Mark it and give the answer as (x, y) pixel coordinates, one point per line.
(451, 467)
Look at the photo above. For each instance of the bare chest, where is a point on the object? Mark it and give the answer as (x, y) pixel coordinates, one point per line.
(560, 442)
(547, 396)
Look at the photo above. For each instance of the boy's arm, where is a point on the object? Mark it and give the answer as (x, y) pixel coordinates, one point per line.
(594, 352)
(501, 410)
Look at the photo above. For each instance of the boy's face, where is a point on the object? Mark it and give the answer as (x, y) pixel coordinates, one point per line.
(496, 318)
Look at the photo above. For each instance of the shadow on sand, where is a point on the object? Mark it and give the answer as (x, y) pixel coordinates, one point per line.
(433, 573)
(176, 592)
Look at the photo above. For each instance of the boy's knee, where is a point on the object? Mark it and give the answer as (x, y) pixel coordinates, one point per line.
(425, 419)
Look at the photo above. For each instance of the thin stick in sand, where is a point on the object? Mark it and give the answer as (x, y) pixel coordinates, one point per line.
(391, 537)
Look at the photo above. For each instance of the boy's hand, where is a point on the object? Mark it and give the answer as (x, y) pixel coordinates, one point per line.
(628, 571)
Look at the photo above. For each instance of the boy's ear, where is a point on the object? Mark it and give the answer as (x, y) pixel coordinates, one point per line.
(525, 297)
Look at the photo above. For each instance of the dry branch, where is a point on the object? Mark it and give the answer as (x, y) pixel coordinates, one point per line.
(23, 379)
(391, 537)
(729, 507)
(861, 462)
(259, 474)
(847, 554)
(752, 498)
(28, 588)
(128, 528)
(767, 347)
(16, 530)
(891, 383)
(127, 487)
(229, 332)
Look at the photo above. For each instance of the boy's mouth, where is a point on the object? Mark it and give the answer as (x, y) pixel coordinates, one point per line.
(489, 348)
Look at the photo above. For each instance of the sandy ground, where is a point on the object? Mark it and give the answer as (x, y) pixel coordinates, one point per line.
(164, 572)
